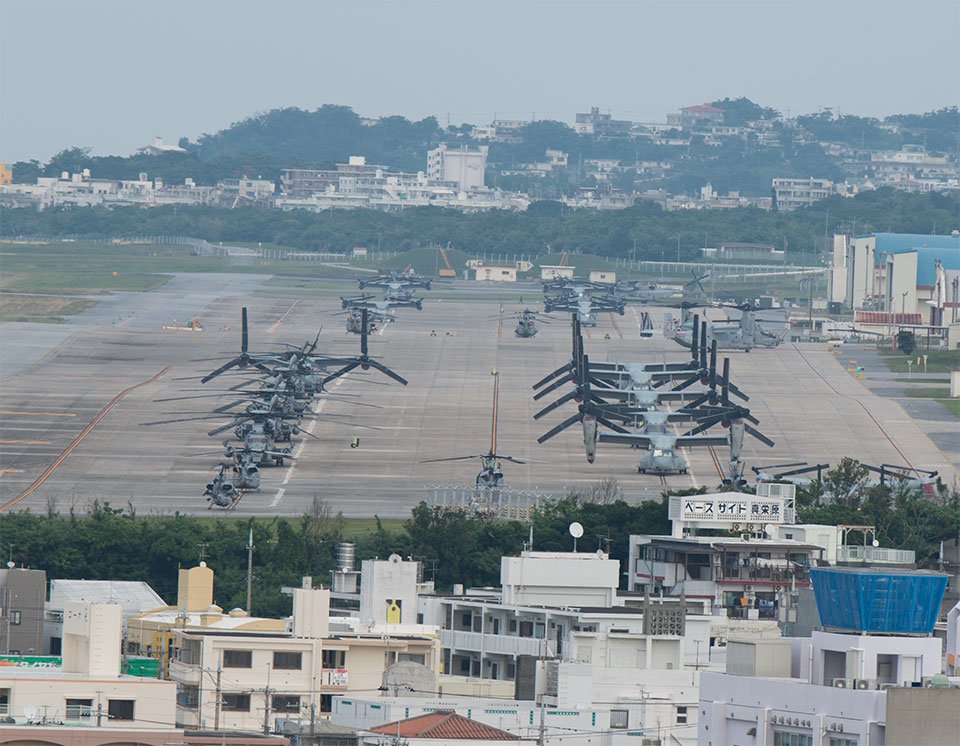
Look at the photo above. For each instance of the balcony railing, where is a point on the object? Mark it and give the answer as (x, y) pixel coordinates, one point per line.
(496, 644)
(781, 575)
(880, 555)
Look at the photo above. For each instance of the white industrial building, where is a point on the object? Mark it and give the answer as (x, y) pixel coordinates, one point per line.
(87, 689)
(463, 166)
(791, 193)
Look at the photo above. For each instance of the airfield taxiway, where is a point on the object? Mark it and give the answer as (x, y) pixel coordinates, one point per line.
(72, 404)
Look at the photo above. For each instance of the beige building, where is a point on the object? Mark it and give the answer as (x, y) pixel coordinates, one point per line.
(243, 679)
(88, 689)
(151, 633)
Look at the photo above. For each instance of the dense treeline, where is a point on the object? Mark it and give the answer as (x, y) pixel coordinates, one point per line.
(455, 547)
(263, 144)
(644, 230)
(108, 542)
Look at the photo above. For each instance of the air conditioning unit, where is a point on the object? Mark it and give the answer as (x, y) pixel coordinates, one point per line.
(864, 684)
(842, 683)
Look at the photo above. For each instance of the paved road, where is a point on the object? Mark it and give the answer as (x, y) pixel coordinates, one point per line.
(804, 397)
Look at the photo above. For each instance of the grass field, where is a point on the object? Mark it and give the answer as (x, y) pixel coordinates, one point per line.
(941, 395)
(40, 308)
(939, 361)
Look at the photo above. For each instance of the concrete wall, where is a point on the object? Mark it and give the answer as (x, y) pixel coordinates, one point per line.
(560, 579)
(91, 638)
(383, 582)
(923, 717)
(22, 596)
(195, 589)
(154, 700)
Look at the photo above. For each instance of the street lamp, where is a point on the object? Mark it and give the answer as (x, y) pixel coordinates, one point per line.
(903, 301)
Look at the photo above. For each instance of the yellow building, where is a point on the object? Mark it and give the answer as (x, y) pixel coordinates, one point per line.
(6, 174)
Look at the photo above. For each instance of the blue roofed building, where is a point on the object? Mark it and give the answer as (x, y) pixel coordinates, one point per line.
(913, 278)
(873, 675)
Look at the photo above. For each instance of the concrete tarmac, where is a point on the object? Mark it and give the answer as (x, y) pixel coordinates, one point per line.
(56, 387)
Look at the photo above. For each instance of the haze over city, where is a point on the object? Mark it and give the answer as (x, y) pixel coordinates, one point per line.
(111, 74)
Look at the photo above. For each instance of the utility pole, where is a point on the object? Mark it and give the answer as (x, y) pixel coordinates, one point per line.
(266, 705)
(216, 703)
(250, 571)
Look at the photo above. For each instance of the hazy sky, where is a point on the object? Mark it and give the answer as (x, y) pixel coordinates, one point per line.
(112, 74)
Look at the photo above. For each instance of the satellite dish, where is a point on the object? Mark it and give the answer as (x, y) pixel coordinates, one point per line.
(875, 543)
(768, 529)
(576, 530)
(29, 712)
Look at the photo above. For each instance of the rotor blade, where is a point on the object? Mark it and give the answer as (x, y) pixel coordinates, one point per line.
(387, 372)
(454, 458)
(222, 369)
(550, 376)
(553, 386)
(510, 458)
(612, 425)
(558, 403)
(244, 336)
(758, 435)
(364, 331)
(687, 383)
(557, 429)
(181, 419)
(342, 372)
(231, 405)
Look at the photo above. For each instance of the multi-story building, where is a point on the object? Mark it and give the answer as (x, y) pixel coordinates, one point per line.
(22, 596)
(601, 125)
(462, 166)
(874, 678)
(246, 678)
(793, 193)
(87, 688)
(702, 115)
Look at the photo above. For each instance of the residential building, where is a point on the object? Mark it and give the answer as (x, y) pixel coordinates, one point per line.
(133, 596)
(159, 147)
(702, 115)
(46, 733)
(88, 689)
(441, 726)
(873, 679)
(793, 193)
(293, 673)
(6, 174)
(601, 125)
(462, 166)
(22, 595)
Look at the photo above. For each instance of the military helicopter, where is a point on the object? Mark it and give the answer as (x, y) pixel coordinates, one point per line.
(526, 323)
(393, 280)
(585, 306)
(490, 476)
(220, 491)
(381, 306)
(784, 472)
(743, 334)
(374, 320)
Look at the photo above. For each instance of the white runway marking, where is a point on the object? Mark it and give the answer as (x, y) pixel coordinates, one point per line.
(277, 498)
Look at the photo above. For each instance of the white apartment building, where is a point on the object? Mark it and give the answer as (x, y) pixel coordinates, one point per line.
(793, 193)
(845, 688)
(463, 166)
(88, 690)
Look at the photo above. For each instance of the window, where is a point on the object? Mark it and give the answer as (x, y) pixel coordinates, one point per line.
(188, 695)
(511, 671)
(842, 741)
(326, 703)
(238, 659)
(526, 629)
(334, 658)
(781, 738)
(512, 625)
(120, 709)
(285, 703)
(467, 620)
(619, 718)
(287, 661)
(465, 666)
(14, 617)
(236, 702)
(681, 715)
(79, 708)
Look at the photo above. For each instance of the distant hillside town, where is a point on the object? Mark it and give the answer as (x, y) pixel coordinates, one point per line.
(720, 155)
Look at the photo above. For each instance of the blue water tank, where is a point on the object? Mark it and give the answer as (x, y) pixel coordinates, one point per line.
(878, 601)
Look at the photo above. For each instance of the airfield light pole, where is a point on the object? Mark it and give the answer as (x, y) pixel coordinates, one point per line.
(250, 571)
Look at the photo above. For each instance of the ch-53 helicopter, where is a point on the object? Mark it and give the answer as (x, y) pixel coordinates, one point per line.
(375, 319)
(490, 476)
(526, 324)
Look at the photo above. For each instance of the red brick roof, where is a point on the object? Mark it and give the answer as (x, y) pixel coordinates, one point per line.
(446, 725)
